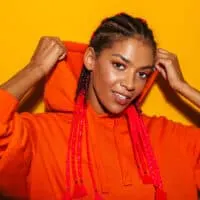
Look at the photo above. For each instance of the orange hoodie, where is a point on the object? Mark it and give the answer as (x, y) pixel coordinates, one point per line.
(33, 148)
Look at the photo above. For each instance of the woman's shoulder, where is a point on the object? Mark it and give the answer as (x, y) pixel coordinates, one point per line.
(170, 130)
(47, 122)
(164, 121)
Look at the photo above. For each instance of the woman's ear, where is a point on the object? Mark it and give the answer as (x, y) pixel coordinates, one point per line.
(89, 58)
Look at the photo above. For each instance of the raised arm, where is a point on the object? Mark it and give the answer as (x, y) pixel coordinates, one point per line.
(48, 52)
(168, 65)
(18, 131)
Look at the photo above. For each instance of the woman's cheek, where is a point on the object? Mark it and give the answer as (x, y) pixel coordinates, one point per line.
(111, 76)
(141, 86)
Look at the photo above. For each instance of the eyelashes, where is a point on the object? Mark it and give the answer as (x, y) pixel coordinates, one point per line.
(122, 67)
(143, 75)
(119, 66)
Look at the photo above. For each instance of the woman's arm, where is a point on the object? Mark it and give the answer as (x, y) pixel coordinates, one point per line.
(190, 93)
(19, 133)
(48, 52)
(167, 64)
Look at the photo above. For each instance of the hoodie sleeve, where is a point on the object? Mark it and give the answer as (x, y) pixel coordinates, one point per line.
(189, 142)
(15, 146)
(181, 141)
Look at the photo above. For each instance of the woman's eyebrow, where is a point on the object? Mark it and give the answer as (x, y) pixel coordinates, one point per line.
(129, 62)
(148, 67)
(122, 57)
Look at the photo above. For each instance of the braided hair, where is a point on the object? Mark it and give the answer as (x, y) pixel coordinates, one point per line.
(118, 27)
(112, 29)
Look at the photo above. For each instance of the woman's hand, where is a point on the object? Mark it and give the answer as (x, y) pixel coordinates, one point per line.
(48, 52)
(168, 65)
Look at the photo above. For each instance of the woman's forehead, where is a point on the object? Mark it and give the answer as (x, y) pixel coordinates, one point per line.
(133, 50)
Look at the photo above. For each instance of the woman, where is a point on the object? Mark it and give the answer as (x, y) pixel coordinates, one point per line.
(93, 142)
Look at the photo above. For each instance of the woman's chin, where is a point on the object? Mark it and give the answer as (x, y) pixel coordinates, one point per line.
(116, 109)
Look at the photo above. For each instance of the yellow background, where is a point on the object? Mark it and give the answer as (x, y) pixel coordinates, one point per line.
(176, 24)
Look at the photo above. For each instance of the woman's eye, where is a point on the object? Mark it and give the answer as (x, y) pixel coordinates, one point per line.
(143, 75)
(119, 66)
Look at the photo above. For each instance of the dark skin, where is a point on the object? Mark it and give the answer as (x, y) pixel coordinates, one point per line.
(110, 71)
(124, 68)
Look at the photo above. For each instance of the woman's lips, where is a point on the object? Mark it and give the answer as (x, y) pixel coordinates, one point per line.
(121, 99)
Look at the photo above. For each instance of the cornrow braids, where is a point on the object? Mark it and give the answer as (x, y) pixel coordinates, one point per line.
(112, 29)
(116, 28)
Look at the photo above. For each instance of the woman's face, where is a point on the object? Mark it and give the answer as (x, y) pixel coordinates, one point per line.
(118, 74)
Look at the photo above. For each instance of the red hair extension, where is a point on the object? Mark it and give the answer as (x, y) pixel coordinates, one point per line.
(148, 169)
(143, 152)
(75, 151)
(79, 122)
(147, 88)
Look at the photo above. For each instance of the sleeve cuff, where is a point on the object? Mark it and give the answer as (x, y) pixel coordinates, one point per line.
(8, 105)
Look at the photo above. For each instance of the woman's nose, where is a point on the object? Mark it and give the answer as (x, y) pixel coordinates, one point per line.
(128, 82)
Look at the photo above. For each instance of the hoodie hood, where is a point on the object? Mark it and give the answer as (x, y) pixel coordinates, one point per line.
(60, 87)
